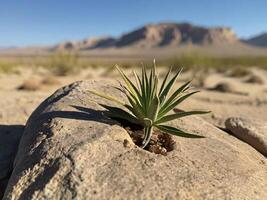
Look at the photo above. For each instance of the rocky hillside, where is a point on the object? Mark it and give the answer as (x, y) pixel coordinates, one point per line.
(158, 35)
(259, 40)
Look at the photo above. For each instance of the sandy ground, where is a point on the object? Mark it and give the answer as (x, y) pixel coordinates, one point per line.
(247, 99)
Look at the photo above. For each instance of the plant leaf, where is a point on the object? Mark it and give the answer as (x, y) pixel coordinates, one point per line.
(175, 94)
(154, 109)
(121, 114)
(136, 80)
(111, 98)
(128, 82)
(165, 80)
(175, 103)
(136, 108)
(179, 115)
(168, 87)
(147, 122)
(148, 134)
(177, 132)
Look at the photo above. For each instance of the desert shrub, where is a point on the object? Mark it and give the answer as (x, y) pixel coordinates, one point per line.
(64, 63)
(255, 79)
(239, 72)
(198, 61)
(50, 80)
(6, 67)
(191, 61)
(31, 84)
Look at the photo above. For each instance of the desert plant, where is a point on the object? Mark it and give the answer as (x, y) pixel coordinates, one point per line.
(6, 67)
(31, 84)
(64, 63)
(239, 72)
(50, 80)
(150, 102)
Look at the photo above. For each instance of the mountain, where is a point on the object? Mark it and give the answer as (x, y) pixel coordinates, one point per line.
(158, 36)
(90, 43)
(259, 40)
(155, 40)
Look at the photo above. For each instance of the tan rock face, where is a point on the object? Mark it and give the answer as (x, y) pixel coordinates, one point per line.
(70, 150)
(252, 132)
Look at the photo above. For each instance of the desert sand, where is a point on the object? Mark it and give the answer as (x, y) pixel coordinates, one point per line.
(220, 92)
(243, 100)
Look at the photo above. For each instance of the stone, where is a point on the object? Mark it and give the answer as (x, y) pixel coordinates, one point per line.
(71, 150)
(224, 87)
(255, 79)
(252, 132)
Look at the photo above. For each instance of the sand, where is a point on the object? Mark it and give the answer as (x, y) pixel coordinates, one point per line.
(246, 100)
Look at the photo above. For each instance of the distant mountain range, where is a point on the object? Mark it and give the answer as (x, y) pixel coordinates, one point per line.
(162, 39)
(259, 40)
(157, 36)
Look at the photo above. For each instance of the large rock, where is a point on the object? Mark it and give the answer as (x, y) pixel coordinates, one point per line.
(70, 150)
(252, 132)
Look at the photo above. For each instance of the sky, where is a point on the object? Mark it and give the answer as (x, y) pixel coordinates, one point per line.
(44, 22)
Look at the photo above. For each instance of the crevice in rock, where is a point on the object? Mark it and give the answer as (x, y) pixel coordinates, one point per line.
(160, 143)
(68, 182)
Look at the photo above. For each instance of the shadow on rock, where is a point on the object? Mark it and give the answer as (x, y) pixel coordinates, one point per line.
(82, 113)
(10, 136)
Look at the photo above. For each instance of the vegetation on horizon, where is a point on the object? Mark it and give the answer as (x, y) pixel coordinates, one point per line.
(200, 61)
(64, 63)
(149, 103)
(7, 67)
(68, 62)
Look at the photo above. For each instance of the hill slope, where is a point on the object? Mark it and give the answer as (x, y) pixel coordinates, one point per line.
(259, 40)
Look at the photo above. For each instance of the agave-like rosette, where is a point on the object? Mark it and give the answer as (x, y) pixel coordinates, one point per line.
(150, 102)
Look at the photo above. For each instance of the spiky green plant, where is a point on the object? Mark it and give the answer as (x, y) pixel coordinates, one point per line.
(150, 102)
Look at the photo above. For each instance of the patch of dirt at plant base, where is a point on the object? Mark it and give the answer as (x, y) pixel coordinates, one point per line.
(160, 143)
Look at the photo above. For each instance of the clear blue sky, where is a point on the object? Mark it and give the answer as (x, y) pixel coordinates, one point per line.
(33, 22)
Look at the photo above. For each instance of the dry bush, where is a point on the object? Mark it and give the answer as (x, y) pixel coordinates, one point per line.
(239, 72)
(64, 63)
(31, 84)
(6, 67)
(255, 79)
(196, 59)
(50, 80)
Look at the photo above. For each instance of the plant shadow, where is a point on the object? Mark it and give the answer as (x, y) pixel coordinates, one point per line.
(82, 113)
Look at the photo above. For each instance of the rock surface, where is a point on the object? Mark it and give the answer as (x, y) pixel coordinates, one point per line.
(252, 132)
(70, 150)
